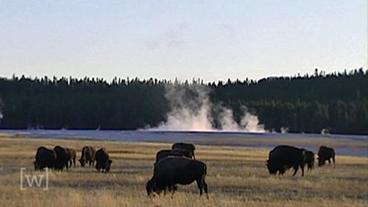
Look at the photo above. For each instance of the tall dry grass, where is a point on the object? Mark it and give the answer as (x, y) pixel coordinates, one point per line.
(236, 177)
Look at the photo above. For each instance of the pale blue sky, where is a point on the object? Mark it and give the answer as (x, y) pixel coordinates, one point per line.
(212, 40)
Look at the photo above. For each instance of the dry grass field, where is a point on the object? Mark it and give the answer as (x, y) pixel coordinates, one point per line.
(236, 177)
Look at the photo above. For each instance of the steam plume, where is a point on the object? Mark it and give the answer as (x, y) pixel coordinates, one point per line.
(191, 110)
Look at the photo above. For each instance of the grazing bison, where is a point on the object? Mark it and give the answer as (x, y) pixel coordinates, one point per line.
(102, 160)
(325, 154)
(88, 156)
(308, 159)
(175, 152)
(185, 146)
(171, 171)
(62, 158)
(72, 155)
(283, 157)
(44, 158)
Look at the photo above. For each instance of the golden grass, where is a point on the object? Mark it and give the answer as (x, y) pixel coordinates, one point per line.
(236, 177)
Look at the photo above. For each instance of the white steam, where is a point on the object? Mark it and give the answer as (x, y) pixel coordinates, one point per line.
(191, 111)
(284, 130)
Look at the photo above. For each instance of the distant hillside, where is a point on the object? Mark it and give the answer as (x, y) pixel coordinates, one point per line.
(336, 103)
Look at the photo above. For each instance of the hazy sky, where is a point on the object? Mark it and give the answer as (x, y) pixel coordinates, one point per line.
(166, 39)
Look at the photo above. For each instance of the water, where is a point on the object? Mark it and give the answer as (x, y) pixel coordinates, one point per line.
(345, 144)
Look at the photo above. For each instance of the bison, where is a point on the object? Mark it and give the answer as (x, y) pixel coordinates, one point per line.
(308, 159)
(88, 156)
(62, 158)
(175, 152)
(72, 154)
(186, 146)
(170, 171)
(325, 154)
(45, 158)
(102, 160)
(283, 157)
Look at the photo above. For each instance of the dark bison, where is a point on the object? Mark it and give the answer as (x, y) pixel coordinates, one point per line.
(185, 146)
(325, 154)
(44, 158)
(283, 157)
(88, 156)
(171, 171)
(175, 152)
(62, 158)
(150, 188)
(72, 155)
(308, 159)
(102, 160)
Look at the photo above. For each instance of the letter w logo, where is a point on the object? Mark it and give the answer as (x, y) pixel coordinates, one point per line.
(32, 180)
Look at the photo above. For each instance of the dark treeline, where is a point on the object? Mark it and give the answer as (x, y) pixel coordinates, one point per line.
(337, 103)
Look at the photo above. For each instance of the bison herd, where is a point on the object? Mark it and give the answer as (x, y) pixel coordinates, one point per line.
(59, 158)
(178, 165)
(284, 157)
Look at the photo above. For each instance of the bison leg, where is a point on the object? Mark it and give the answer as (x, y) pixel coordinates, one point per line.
(167, 189)
(205, 188)
(333, 159)
(302, 168)
(281, 171)
(323, 162)
(172, 194)
(170, 189)
(202, 185)
(173, 189)
(295, 170)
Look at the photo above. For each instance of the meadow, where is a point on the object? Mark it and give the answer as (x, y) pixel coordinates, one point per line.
(237, 176)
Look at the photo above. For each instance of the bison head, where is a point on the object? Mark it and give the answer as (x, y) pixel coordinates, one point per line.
(35, 165)
(82, 162)
(150, 187)
(272, 169)
(321, 161)
(308, 159)
(108, 165)
(310, 164)
(105, 166)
